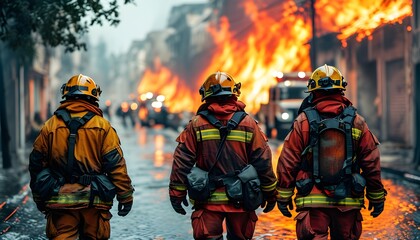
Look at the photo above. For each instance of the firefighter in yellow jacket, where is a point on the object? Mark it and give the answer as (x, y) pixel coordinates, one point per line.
(77, 166)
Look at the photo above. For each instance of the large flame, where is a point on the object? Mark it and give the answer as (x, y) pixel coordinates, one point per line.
(162, 81)
(272, 38)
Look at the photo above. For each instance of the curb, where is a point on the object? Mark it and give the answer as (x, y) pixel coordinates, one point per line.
(411, 176)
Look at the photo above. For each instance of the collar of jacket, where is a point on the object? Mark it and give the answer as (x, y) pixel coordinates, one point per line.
(74, 106)
(331, 104)
(223, 109)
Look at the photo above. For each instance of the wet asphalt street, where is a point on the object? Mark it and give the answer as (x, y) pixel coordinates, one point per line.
(148, 152)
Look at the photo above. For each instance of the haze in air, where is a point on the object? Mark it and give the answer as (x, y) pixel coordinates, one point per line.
(136, 21)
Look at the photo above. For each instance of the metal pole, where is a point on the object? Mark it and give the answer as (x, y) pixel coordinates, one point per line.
(313, 45)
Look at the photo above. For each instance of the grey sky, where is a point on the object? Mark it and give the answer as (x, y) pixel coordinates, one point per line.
(136, 21)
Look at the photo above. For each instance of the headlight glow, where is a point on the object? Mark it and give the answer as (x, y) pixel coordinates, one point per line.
(285, 116)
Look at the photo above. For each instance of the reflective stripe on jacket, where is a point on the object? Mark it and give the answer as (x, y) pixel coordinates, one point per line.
(199, 143)
(291, 160)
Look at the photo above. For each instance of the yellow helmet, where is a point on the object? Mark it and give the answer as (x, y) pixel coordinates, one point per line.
(326, 77)
(219, 84)
(81, 85)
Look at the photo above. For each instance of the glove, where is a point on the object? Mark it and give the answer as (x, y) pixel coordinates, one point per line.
(124, 208)
(284, 207)
(268, 205)
(377, 208)
(269, 201)
(176, 204)
(41, 207)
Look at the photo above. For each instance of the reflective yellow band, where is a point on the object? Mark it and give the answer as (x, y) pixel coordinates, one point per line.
(234, 135)
(375, 195)
(76, 198)
(178, 187)
(97, 200)
(218, 197)
(285, 192)
(269, 187)
(318, 199)
(125, 195)
(356, 133)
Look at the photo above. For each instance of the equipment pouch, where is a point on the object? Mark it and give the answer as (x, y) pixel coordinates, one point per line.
(233, 187)
(103, 188)
(358, 185)
(304, 186)
(338, 191)
(198, 184)
(48, 184)
(251, 186)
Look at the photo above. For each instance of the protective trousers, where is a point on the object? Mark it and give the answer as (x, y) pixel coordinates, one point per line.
(208, 224)
(87, 223)
(314, 223)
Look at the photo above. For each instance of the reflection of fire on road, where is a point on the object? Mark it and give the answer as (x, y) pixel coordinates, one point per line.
(253, 41)
(394, 223)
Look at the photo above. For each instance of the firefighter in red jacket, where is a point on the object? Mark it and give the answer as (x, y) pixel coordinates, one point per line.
(75, 176)
(198, 145)
(329, 172)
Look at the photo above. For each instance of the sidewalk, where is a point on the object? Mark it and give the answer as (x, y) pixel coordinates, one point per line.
(399, 161)
(14, 179)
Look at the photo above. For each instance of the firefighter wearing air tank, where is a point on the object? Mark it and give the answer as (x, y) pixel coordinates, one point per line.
(77, 166)
(331, 157)
(224, 162)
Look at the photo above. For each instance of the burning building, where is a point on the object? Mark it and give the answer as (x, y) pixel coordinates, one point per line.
(369, 40)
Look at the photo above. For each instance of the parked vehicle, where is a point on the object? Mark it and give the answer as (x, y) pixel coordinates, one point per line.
(152, 110)
(285, 98)
(179, 120)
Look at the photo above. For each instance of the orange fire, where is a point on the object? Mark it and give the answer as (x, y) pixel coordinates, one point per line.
(273, 38)
(178, 96)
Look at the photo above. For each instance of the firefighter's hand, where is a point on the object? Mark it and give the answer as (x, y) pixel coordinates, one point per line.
(176, 204)
(268, 205)
(377, 208)
(124, 208)
(284, 207)
(41, 207)
(269, 201)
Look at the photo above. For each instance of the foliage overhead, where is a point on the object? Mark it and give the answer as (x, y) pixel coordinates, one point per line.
(53, 22)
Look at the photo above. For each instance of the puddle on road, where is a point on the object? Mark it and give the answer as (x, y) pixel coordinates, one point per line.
(396, 222)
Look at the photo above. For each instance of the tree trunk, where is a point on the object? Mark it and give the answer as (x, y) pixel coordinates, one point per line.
(5, 137)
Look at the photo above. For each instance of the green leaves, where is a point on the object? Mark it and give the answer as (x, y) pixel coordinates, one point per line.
(53, 22)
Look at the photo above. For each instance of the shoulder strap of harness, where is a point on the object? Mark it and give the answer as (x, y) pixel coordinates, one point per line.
(73, 124)
(314, 119)
(223, 130)
(348, 115)
(231, 124)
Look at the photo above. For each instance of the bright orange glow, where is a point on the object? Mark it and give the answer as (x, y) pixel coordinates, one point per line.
(270, 39)
(134, 106)
(125, 106)
(162, 81)
(360, 17)
(159, 155)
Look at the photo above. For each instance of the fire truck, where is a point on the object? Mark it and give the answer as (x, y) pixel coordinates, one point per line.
(285, 98)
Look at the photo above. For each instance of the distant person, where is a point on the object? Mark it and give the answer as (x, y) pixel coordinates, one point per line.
(332, 159)
(107, 109)
(77, 167)
(224, 161)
